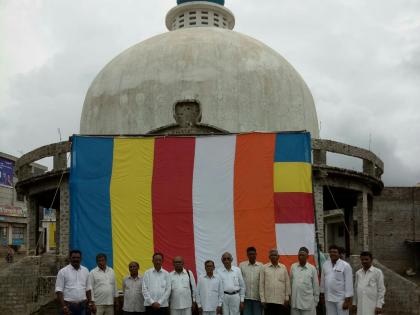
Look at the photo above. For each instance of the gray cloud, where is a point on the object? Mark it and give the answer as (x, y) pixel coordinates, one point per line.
(361, 60)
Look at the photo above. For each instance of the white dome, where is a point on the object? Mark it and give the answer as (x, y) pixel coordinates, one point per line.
(241, 84)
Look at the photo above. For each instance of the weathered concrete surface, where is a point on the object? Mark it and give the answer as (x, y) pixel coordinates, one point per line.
(28, 284)
(242, 85)
(396, 219)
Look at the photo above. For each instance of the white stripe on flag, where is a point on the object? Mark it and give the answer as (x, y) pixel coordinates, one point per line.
(214, 229)
(292, 236)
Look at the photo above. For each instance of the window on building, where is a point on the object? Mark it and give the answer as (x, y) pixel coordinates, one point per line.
(18, 235)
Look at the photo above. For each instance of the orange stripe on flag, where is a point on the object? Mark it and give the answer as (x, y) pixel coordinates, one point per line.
(253, 194)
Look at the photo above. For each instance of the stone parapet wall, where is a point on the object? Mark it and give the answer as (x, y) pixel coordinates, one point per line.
(28, 284)
(402, 295)
(396, 219)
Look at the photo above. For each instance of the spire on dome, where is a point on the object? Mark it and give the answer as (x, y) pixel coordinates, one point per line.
(221, 2)
(200, 13)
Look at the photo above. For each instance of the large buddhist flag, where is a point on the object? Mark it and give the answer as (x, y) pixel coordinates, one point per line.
(195, 197)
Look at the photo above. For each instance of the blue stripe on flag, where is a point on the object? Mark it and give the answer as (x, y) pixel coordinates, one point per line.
(90, 214)
(293, 147)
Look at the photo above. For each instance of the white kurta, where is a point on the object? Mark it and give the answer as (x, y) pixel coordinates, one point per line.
(182, 290)
(369, 290)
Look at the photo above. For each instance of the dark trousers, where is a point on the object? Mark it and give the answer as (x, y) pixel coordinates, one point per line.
(160, 311)
(76, 309)
(276, 309)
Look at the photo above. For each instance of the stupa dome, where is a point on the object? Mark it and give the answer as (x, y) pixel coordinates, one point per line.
(240, 83)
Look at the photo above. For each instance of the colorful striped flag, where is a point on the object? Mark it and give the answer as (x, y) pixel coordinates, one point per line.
(196, 197)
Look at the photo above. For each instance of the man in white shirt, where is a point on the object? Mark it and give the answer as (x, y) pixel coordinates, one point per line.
(104, 287)
(251, 273)
(233, 286)
(132, 288)
(182, 289)
(369, 288)
(305, 286)
(336, 284)
(72, 286)
(156, 287)
(209, 292)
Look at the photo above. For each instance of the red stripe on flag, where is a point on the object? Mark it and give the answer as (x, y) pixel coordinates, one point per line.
(173, 229)
(294, 207)
(253, 193)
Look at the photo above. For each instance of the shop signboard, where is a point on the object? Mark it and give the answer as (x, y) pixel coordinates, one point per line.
(6, 172)
(12, 211)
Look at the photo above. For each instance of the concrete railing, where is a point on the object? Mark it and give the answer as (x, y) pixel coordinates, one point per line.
(372, 165)
(56, 150)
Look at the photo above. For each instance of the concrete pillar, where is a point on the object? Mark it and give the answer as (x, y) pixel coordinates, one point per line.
(60, 161)
(320, 156)
(369, 167)
(32, 231)
(57, 231)
(64, 219)
(319, 212)
(348, 214)
(363, 220)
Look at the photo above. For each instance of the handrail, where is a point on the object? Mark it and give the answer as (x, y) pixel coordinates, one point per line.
(372, 164)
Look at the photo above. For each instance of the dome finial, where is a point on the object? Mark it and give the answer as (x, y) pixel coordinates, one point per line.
(200, 13)
(221, 2)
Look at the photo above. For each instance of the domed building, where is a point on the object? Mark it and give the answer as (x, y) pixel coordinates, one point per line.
(202, 77)
(237, 83)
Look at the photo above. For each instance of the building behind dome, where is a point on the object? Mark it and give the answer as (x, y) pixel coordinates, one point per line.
(204, 78)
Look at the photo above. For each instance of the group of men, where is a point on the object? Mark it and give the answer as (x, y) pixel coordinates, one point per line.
(252, 288)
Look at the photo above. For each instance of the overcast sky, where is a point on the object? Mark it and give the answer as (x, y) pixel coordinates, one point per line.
(361, 60)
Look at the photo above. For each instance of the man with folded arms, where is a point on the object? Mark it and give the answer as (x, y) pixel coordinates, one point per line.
(274, 286)
(209, 292)
(156, 287)
(73, 287)
(233, 286)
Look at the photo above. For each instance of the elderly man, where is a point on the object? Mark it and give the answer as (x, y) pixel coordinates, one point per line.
(132, 289)
(305, 286)
(369, 288)
(182, 289)
(274, 286)
(209, 292)
(251, 273)
(233, 286)
(104, 287)
(336, 284)
(156, 287)
(73, 287)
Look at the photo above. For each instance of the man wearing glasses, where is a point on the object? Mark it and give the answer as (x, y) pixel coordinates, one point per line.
(233, 286)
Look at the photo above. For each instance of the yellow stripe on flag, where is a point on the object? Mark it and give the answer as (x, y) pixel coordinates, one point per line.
(292, 177)
(131, 204)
